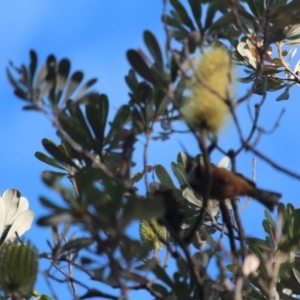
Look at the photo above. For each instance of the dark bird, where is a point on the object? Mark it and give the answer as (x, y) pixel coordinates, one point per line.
(226, 184)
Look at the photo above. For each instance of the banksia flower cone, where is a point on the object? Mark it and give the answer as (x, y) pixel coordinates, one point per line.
(18, 268)
(204, 108)
(148, 236)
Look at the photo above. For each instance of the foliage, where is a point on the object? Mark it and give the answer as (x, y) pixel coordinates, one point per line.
(96, 156)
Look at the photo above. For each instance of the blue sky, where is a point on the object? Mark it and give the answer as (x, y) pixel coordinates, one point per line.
(95, 36)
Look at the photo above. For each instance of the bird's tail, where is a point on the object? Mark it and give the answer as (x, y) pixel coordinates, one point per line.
(267, 198)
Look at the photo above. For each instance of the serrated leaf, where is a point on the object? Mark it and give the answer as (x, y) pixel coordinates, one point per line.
(139, 65)
(163, 176)
(196, 10)
(153, 48)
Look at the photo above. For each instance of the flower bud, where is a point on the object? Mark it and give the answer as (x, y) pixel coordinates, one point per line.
(18, 268)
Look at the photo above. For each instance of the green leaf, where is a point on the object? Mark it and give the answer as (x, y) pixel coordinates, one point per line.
(285, 95)
(182, 158)
(163, 176)
(54, 220)
(21, 94)
(96, 112)
(210, 14)
(137, 177)
(180, 173)
(86, 86)
(78, 244)
(163, 105)
(256, 7)
(64, 67)
(131, 80)
(269, 218)
(41, 76)
(48, 160)
(190, 195)
(49, 204)
(224, 21)
(30, 107)
(183, 14)
(75, 81)
(141, 209)
(161, 274)
(86, 260)
(138, 63)
(154, 49)
(71, 125)
(76, 113)
(32, 65)
(24, 77)
(196, 10)
(57, 153)
(296, 222)
(261, 244)
(12, 80)
(269, 229)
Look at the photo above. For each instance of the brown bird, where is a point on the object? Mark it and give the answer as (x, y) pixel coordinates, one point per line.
(226, 184)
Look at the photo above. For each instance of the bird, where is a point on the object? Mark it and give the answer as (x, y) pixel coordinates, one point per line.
(226, 184)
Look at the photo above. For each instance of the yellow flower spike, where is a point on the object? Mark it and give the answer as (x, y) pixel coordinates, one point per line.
(204, 108)
(148, 236)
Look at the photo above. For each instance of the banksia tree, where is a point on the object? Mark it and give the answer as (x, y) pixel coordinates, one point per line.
(97, 155)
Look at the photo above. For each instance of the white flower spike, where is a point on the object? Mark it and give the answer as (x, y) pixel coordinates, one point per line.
(14, 212)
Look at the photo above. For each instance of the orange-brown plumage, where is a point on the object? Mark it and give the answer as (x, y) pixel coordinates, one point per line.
(226, 184)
